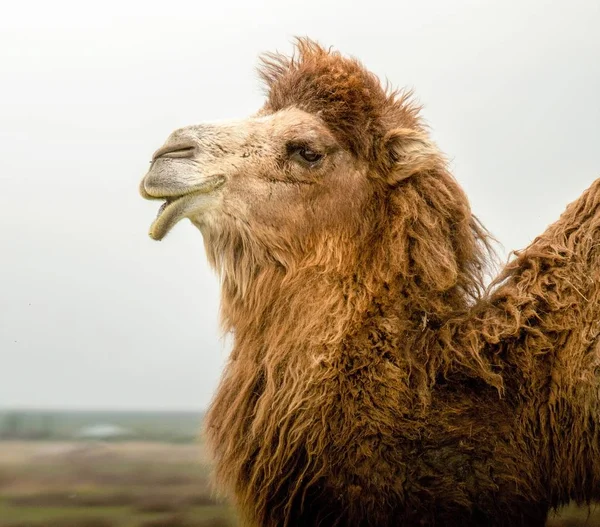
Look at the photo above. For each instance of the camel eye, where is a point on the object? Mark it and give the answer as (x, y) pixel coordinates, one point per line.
(305, 155)
(309, 155)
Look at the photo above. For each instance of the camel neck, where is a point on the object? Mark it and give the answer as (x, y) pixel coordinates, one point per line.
(315, 310)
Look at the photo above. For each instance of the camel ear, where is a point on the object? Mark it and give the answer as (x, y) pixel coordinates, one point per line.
(409, 152)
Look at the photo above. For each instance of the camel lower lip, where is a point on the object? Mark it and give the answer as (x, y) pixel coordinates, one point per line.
(162, 208)
(175, 209)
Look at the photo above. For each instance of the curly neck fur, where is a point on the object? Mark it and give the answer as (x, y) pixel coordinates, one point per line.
(309, 324)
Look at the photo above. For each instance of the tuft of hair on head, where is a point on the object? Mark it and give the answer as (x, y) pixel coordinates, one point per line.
(342, 92)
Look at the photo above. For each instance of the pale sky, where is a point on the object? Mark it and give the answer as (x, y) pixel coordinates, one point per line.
(94, 314)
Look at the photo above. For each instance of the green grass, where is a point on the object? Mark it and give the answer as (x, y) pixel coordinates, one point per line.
(13, 514)
(113, 516)
(115, 485)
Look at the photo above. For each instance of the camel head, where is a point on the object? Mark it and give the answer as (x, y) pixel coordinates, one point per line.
(330, 166)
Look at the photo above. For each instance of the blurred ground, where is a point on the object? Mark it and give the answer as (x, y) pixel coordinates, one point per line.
(132, 484)
(127, 484)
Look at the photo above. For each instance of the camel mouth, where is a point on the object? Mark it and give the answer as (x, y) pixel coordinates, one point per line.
(175, 208)
(174, 151)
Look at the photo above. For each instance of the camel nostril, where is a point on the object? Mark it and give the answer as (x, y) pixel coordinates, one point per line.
(174, 151)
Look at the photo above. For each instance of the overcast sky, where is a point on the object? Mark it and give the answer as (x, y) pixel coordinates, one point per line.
(93, 314)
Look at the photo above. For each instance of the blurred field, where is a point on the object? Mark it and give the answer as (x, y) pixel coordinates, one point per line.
(133, 484)
(127, 484)
(56, 425)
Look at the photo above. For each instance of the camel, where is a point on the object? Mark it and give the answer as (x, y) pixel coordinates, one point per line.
(375, 380)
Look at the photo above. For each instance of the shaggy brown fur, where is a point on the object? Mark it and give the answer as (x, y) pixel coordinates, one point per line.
(372, 382)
